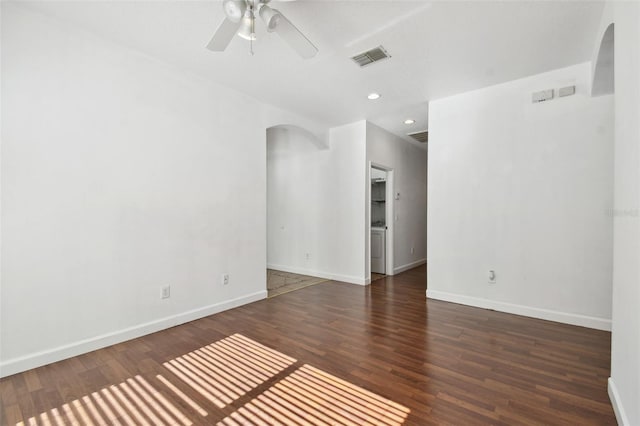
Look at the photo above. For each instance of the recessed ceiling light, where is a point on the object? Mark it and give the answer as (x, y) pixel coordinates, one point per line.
(409, 121)
(373, 96)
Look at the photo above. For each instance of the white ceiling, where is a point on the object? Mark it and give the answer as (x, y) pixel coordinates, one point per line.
(438, 49)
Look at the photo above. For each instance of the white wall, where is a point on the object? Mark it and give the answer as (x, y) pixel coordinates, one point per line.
(120, 175)
(409, 164)
(316, 203)
(523, 189)
(624, 384)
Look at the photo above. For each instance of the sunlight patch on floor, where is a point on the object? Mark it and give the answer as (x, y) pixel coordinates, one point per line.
(132, 402)
(310, 396)
(223, 372)
(229, 368)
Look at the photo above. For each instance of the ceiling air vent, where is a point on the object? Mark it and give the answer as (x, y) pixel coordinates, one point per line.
(371, 56)
(421, 137)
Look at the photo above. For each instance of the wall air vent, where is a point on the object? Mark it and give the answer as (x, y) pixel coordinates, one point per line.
(422, 137)
(370, 56)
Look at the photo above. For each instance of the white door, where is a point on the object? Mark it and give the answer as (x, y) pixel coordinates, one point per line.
(377, 251)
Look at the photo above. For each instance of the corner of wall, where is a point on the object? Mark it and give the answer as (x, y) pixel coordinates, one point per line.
(618, 409)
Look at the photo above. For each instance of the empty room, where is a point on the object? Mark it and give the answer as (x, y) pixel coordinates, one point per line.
(317, 212)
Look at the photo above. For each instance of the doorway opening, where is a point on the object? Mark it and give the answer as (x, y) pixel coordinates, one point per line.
(380, 223)
(295, 160)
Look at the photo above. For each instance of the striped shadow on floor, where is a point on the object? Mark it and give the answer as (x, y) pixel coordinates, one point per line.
(132, 402)
(244, 382)
(225, 370)
(309, 396)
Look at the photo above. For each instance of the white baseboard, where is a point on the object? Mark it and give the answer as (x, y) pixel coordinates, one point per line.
(320, 274)
(618, 409)
(38, 359)
(527, 311)
(409, 266)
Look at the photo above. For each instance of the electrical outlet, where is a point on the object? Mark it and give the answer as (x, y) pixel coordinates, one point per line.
(413, 250)
(166, 292)
(307, 256)
(225, 279)
(492, 276)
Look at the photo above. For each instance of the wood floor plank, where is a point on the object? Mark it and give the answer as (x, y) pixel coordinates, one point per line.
(11, 414)
(444, 363)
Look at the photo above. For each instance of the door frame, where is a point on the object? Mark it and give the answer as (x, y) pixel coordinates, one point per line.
(389, 218)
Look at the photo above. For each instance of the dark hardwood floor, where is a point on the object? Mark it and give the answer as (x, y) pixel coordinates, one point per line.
(332, 353)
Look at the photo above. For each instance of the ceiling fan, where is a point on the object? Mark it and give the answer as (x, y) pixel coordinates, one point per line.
(241, 19)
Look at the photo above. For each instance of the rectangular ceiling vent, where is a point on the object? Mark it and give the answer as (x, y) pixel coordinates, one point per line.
(422, 137)
(370, 56)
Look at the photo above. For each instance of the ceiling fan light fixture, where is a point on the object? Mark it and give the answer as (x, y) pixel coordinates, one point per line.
(248, 26)
(234, 9)
(270, 17)
(240, 20)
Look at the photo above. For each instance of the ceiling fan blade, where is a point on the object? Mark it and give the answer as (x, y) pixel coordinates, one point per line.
(294, 38)
(223, 36)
